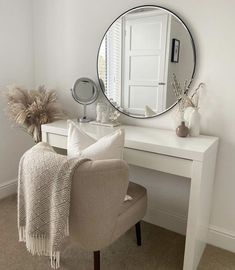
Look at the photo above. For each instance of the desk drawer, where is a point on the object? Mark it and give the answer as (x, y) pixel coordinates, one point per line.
(55, 140)
(158, 162)
(154, 161)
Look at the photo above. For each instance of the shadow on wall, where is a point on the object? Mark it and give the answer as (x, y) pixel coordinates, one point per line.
(14, 142)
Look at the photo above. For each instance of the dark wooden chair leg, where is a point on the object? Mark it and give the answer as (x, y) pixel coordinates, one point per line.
(138, 233)
(97, 260)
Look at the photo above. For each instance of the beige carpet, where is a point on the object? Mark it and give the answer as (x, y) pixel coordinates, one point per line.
(161, 250)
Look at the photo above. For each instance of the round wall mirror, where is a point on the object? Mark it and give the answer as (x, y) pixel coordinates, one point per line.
(138, 56)
(85, 92)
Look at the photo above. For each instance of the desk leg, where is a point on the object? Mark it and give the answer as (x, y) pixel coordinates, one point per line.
(44, 137)
(199, 209)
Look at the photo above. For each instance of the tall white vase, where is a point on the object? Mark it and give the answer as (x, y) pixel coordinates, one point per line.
(194, 123)
(187, 115)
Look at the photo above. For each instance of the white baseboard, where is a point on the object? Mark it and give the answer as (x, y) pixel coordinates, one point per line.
(218, 237)
(167, 220)
(8, 188)
(221, 238)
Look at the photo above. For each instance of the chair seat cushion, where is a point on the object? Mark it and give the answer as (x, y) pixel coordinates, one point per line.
(136, 192)
(132, 211)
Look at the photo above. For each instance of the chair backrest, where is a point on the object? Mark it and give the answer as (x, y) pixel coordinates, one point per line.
(98, 191)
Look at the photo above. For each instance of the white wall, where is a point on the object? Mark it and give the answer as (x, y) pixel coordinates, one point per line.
(184, 68)
(67, 36)
(16, 66)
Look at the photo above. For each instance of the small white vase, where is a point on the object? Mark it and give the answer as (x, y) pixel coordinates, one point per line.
(100, 108)
(194, 123)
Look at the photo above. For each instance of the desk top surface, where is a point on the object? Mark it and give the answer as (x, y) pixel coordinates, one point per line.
(154, 140)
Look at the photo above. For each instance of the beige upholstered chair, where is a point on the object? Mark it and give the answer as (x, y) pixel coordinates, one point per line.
(98, 214)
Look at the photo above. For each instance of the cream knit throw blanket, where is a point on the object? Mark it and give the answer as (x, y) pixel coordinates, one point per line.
(44, 185)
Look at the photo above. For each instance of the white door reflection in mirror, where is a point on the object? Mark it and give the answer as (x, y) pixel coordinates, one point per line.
(144, 62)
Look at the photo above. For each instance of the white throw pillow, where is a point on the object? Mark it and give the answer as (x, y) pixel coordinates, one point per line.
(82, 145)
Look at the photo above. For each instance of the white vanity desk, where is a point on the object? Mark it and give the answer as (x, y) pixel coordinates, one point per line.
(163, 151)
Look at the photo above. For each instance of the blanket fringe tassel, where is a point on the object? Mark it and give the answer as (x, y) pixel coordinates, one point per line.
(41, 245)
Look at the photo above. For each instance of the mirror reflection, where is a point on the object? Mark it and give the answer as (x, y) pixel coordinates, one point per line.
(84, 91)
(137, 58)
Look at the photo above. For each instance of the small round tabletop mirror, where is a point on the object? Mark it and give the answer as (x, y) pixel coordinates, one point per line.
(84, 92)
(138, 56)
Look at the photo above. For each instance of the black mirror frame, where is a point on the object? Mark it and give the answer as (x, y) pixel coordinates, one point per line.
(194, 56)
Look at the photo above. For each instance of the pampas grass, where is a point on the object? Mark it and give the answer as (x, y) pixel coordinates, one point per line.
(30, 109)
(182, 94)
